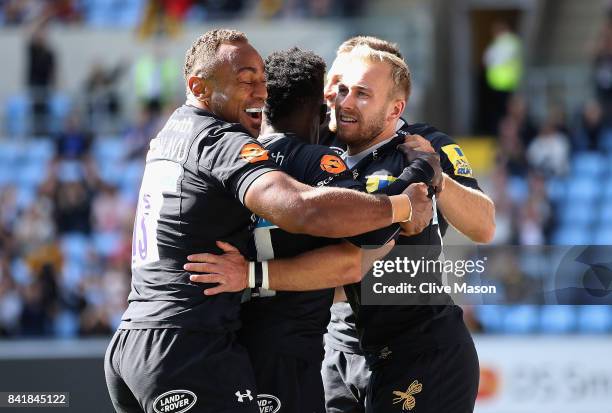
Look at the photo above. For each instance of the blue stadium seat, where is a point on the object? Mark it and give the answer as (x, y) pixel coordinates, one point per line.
(59, 109)
(6, 174)
(70, 171)
(605, 142)
(605, 213)
(603, 235)
(572, 235)
(11, 152)
(491, 317)
(594, 319)
(520, 319)
(66, 324)
(557, 319)
(128, 14)
(588, 164)
(556, 189)
(607, 189)
(40, 150)
(16, 114)
(98, 13)
(31, 174)
(583, 188)
(111, 172)
(518, 189)
(74, 247)
(26, 195)
(578, 212)
(73, 272)
(21, 272)
(132, 175)
(109, 149)
(106, 243)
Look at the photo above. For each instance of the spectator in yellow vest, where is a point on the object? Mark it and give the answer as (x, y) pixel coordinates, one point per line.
(504, 68)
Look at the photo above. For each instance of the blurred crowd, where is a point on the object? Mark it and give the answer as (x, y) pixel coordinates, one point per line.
(544, 166)
(166, 16)
(70, 173)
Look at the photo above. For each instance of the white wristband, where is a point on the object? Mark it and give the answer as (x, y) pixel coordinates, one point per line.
(266, 278)
(409, 216)
(251, 274)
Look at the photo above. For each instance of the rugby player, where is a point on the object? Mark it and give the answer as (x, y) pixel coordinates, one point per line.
(175, 347)
(283, 331)
(345, 371)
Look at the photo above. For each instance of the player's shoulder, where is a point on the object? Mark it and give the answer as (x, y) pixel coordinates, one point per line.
(437, 138)
(321, 157)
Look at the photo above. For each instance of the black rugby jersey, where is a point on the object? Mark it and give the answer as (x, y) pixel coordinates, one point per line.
(342, 329)
(294, 322)
(197, 172)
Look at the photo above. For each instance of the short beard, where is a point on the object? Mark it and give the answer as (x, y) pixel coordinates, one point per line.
(367, 133)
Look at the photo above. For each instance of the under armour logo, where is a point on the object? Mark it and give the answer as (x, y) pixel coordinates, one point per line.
(241, 396)
(355, 174)
(375, 154)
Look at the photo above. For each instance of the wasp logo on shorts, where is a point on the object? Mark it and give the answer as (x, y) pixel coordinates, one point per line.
(407, 398)
(252, 153)
(332, 164)
(175, 401)
(268, 403)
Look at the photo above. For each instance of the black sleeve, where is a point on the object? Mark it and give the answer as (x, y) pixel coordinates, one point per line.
(235, 159)
(418, 171)
(453, 161)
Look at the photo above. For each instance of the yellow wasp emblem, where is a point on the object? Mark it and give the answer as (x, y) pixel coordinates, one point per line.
(408, 397)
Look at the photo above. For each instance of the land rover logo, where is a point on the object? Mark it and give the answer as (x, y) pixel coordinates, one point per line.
(268, 403)
(175, 401)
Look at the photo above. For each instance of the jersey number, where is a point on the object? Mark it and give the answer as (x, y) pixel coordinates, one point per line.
(159, 177)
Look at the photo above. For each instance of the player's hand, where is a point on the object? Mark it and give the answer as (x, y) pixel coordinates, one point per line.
(432, 158)
(422, 209)
(418, 143)
(410, 228)
(230, 270)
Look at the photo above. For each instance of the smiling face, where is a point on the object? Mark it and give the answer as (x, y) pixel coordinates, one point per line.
(366, 112)
(237, 86)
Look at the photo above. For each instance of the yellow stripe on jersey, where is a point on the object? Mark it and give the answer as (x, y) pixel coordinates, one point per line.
(377, 182)
(458, 160)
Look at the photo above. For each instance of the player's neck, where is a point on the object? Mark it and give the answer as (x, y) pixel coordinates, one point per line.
(192, 101)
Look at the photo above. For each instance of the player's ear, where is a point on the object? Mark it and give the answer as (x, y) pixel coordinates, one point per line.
(200, 88)
(397, 108)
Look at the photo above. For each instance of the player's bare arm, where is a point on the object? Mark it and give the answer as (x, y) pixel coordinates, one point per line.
(326, 267)
(470, 211)
(325, 212)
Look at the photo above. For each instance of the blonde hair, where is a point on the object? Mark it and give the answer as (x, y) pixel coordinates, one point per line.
(371, 41)
(400, 72)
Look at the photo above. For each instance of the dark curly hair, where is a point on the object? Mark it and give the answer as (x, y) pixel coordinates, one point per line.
(294, 78)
